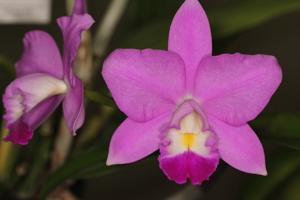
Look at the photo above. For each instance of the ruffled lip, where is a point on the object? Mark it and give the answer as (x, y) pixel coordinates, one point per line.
(183, 110)
(14, 108)
(188, 165)
(26, 92)
(20, 133)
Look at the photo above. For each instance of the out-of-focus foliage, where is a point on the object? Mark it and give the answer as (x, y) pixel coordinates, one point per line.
(242, 15)
(283, 129)
(6, 66)
(84, 165)
(6, 72)
(283, 165)
(100, 98)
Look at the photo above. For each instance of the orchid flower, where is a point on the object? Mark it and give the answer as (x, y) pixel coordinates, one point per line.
(45, 79)
(192, 106)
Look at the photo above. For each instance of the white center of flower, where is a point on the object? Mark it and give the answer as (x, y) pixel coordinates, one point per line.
(41, 88)
(190, 136)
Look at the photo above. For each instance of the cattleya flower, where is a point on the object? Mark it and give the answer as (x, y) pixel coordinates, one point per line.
(45, 79)
(192, 106)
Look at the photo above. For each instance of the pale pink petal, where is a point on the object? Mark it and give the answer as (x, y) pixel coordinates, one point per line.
(144, 83)
(72, 27)
(235, 88)
(73, 106)
(188, 165)
(239, 147)
(38, 114)
(40, 55)
(133, 141)
(190, 36)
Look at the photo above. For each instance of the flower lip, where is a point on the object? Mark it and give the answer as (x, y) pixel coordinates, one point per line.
(188, 147)
(26, 92)
(188, 140)
(188, 165)
(189, 136)
(20, 133)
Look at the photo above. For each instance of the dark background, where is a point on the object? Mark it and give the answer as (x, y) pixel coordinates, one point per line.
(143, 26)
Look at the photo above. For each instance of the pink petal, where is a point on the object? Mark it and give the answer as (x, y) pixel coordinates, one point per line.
(37, 115)
(40, 55)
(144, 83)
(239, 147)
(79, 7)
(133, 141)
(190, 36)
(235, 88)
(188, 165)
(73, 106)
(72, 27)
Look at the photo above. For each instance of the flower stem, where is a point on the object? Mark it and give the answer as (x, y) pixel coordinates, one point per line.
(8, 155)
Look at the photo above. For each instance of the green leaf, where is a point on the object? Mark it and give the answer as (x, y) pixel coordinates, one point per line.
(290, 189)
(8, 158)
(243, 15)
(281, 166)
(80, 166)
(282, 129)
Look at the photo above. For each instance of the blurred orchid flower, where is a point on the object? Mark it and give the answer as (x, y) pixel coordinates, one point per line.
(45, 79)
(191, 105)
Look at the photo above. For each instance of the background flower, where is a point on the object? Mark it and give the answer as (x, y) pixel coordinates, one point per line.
(44, 79)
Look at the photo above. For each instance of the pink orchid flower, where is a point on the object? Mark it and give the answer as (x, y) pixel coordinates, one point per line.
(192, 106)
(45, 79)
